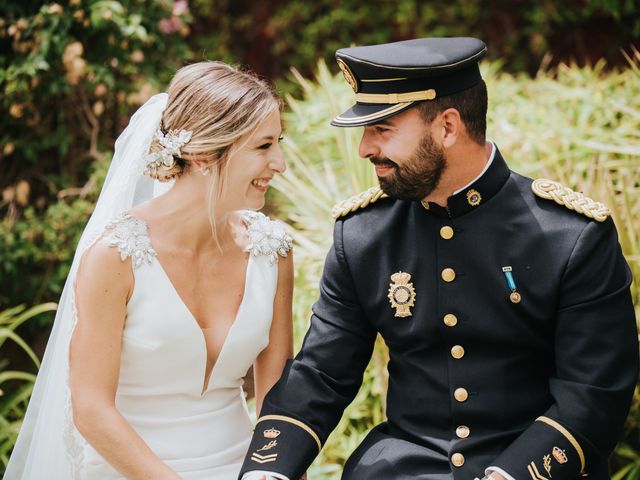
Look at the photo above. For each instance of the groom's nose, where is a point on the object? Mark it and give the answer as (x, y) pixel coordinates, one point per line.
(368, 146)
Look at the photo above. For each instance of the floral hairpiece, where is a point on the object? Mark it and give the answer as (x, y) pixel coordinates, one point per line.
(171, 144)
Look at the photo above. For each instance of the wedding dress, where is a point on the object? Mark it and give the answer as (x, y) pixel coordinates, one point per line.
(193, 417)
(201, 429)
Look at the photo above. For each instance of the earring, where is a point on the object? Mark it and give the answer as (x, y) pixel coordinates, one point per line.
(205, 171)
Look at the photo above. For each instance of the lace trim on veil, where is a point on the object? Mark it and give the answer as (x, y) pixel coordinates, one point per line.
(74, 442)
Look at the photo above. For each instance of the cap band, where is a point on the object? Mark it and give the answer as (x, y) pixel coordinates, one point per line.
(396, 97)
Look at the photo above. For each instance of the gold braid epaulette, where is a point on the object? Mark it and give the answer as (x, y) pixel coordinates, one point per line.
(572, 200)
(358, 201)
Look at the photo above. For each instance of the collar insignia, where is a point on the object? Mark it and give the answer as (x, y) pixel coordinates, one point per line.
(474, 198)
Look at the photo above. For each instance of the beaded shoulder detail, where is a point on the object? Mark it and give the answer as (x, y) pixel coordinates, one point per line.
(576, 201)
(266, 237)
(130, 236)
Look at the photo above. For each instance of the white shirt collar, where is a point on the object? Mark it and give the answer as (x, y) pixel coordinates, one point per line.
(486, 167)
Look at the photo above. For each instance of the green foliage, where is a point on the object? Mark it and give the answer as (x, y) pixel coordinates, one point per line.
(272, 35)
(36, 249)
(70, 76)
(577, 125)
(16, 385)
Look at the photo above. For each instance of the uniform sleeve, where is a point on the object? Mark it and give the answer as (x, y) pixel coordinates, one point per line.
(596, 366)
(304, 406)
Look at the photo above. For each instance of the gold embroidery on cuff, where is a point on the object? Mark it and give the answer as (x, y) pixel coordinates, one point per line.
(546, 463)
(256, 457)
(295, 422)
(568, 436)
(535, 474)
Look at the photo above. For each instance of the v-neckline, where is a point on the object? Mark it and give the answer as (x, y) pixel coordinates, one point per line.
(206, 380)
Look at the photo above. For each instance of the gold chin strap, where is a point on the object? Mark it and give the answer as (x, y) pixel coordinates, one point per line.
(396, 97)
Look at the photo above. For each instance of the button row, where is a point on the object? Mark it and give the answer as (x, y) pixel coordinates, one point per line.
(457, 352)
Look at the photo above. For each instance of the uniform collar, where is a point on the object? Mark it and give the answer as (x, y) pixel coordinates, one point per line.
(478, 192)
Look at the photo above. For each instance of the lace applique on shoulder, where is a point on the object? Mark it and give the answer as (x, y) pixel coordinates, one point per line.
(266, 236)
(129, 235)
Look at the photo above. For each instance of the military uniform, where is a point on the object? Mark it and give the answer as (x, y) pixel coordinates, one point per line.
(510, 329)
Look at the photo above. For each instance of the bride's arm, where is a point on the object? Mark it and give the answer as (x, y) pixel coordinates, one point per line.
(270, 363)
(103, 286)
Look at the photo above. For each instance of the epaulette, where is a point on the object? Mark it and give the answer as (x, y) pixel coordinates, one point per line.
(576, 201)
(358, 201)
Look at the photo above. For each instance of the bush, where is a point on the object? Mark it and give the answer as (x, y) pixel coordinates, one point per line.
(71, 75)
(16, 385)
(272, 35)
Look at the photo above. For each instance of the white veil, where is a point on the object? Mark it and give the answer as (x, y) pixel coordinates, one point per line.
(47, 444)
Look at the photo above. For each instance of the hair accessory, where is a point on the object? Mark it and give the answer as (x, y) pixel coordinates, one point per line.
(171, 144)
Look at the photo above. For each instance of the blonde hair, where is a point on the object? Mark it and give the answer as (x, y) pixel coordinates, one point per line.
(219, 104)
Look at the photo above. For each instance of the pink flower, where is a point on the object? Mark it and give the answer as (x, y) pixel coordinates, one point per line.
(180, 7)
(170, 25)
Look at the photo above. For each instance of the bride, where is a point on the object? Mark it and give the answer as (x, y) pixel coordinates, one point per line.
(173, 294)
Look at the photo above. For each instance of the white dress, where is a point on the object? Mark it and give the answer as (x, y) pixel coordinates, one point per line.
(199, 428)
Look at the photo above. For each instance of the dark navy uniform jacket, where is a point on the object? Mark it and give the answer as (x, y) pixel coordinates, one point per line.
(539, 388)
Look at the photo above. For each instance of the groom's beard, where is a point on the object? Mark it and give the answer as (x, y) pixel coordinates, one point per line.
(418, 176)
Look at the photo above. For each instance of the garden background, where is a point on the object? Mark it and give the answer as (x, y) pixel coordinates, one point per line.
(564, 88)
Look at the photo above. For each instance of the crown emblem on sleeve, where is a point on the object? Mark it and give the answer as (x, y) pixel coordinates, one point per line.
(271, 433)
(559, 455)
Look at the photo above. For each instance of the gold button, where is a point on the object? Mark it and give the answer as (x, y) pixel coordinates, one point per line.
(463, 431)
(450, 320)
(448, 274)
(457, 459)
(446, 232)
(460, 394)
(457, 352)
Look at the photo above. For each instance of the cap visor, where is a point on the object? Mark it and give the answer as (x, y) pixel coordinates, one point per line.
(367, 113)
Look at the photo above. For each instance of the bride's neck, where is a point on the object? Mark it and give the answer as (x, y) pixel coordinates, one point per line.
(183, 215)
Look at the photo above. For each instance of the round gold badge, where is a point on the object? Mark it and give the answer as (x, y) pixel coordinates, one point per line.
(348, 75)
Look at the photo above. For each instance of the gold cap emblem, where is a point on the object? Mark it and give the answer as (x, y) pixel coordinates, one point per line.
(559, 455)
(348, 75)
(401, 295)
(271, 433)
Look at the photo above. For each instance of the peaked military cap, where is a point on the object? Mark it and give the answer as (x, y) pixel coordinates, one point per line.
(390, 77)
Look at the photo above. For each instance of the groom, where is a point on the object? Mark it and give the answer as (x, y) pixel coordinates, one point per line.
(504, 302)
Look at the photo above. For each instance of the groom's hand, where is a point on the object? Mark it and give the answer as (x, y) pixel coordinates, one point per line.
(492, 476)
